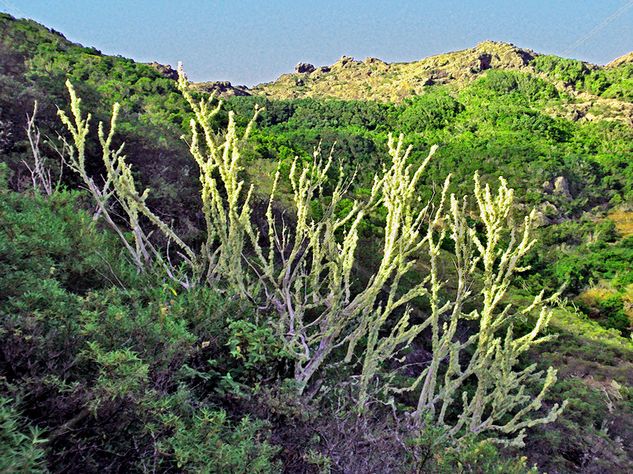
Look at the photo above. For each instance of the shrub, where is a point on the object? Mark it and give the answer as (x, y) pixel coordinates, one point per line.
(435, 109)
(211, 444)
(613, 315)
(20, 449)
(570, 71)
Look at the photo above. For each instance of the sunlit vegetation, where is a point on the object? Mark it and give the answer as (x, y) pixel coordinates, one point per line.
(157, 331)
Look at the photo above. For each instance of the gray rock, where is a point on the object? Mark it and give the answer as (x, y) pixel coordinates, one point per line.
(222, 88)
(546, 214)
(561, 187)
(548, 187)
(541, 220)
(165, 70)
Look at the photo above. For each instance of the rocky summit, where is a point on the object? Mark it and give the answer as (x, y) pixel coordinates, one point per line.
(374, 79)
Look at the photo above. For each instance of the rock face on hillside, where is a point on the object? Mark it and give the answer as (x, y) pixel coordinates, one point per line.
(375, 79)
(165, 70)
(222, 88)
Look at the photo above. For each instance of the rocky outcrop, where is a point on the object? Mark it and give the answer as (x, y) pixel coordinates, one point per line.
(558, 186)
(374, 79)
(374, 61)
(345, 61)
(222, 88)
(500, 55)
(304, 68)
(561, 187)
(546, 214)
(548, 187)
(165, 70)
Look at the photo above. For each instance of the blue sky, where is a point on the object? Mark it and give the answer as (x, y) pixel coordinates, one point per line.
(253, 41)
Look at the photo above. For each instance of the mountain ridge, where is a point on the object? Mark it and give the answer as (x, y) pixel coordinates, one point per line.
(373, 78)
(394, 81)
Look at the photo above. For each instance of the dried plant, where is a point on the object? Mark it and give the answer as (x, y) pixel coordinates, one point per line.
(41, 174)
(306, 271)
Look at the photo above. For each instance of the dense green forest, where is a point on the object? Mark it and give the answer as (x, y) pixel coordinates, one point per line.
(152, 350)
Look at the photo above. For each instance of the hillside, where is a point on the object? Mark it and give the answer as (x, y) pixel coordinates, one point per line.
(374, 79)
(122, 365)
(621, 61)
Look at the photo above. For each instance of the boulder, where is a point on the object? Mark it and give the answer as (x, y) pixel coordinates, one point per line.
(546, 214)
(304, 68)
(165, 70)
(222, 88)
(561, 187)
(345, 61)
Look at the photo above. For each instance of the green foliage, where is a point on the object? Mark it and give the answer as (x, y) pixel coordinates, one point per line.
(210, 443)
(120, 373)
(154, 113)
(256, 346)
(312, 114)
(121, 343)
(111, 362)
(586, 404)
(612, 309)
(20, 449)
(591, 262)
(433, 453)
(479, 457)
(499, 124)
(434, 110)
(522, 85)
(614, 82)
(570, 71)
(53, 239)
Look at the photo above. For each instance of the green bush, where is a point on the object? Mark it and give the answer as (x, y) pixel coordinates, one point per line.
(20, 449)
(592, 262)
(433, 110)
(42, 239)
(613, 315)
(120, 354)
(522, 84)
(570, 71)
(471, 456)
(211, 444)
